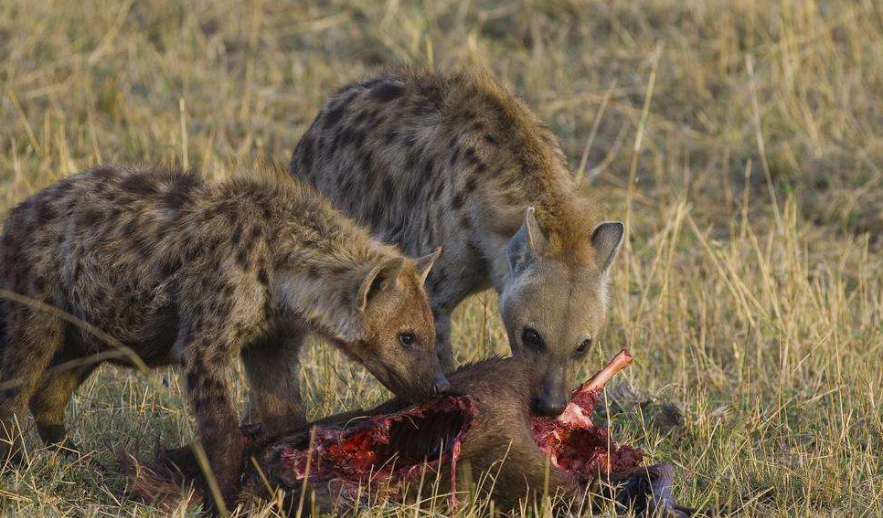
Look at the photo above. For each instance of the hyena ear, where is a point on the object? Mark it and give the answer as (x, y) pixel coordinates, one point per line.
(381, 277)
(527, 244)
(424, 264)
(606, 240)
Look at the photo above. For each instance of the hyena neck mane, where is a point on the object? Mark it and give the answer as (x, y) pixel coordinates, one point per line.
(325, 293)
(530, 171)
(320, 261)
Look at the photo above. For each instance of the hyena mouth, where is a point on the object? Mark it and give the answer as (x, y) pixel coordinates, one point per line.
(385, 452)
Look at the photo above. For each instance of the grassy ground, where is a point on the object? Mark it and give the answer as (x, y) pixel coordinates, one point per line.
(740, 140)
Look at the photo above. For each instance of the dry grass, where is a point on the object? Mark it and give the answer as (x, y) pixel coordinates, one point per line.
(740, 139)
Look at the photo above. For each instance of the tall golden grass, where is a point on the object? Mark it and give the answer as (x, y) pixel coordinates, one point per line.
(740, 139)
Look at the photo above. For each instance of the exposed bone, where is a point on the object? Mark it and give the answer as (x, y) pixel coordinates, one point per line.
(619, 362)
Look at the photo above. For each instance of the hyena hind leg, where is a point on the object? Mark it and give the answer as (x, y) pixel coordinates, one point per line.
(50, 401)
(32, 339)
(273, 372)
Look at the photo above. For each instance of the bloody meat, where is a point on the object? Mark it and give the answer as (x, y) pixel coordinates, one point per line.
(384, 451)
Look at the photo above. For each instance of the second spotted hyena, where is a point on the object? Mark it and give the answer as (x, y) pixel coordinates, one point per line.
(191, 273)
(456, 160)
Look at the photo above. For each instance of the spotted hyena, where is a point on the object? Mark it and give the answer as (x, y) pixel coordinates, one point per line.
(456, 160)
(191, 273)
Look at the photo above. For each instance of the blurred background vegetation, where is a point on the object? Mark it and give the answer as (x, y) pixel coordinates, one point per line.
(740, 140)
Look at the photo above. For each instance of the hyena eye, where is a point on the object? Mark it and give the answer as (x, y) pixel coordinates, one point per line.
(531, 338)
(407, 338)
(584, 346)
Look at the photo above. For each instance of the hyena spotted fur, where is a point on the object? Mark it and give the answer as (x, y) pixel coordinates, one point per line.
(193, 273)
(456, 160)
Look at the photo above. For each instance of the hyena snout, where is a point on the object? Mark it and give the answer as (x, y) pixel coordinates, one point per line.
(433, 384)
(440, 385)
(552, 395)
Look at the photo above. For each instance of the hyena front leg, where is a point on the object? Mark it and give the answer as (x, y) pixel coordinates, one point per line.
(50, 401)
(206, 358)
(273, 371)
(32, 339)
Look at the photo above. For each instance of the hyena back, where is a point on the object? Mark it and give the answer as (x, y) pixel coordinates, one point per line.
(190, 273)
(456, 160)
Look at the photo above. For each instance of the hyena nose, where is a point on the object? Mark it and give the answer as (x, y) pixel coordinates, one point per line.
(441, 385)
(551, 407)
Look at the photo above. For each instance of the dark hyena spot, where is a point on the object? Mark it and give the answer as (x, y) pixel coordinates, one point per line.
(377, 214)
(423, 108)
(242, 258)
(469, 155)
(256, 232)
(179, 192)
(387, 92)
(457, 201)
(455, 157)
(390, 136)
(139, 183)
(360, 118)
(130, 228)
(44, 213)
(413, 160)
(374, 119)
(90, 217)
(490, 139)
(334, 115)
(169, 268)
(388, 191)
(212, 385)
(464, 220)
(427, 167)
(335, 142)
(192, 381)
(313, 272)
(237, 235)
(359, 138)
(306, 153)
(263, 278)
(471, 184)
(524, 169)
(143, 245)
(346, 136)
(437, 190)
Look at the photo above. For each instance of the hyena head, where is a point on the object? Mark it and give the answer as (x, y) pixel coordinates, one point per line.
(398, 338)
(554, 304)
